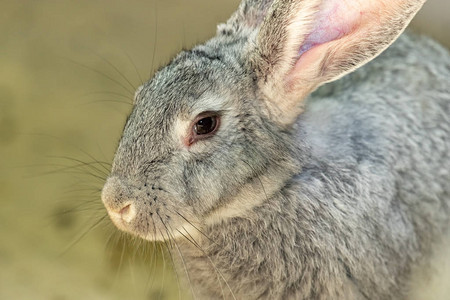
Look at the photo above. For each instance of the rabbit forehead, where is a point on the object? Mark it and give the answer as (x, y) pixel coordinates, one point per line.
(169, 103)
(194, 82)
(186, 87)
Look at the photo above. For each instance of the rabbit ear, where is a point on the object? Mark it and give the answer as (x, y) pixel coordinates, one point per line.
(302, 44)
(249, 15)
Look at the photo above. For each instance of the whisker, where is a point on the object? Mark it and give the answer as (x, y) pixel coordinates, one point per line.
(71, 145)
(171, 257)
(200, 231)
(185, 268)
(109, 240)
(133, 277)
(89, 190)
(164, 271)
(108, 164)
(122, 254)
(179, 286)
(70, 211)
(155, 39)
(106, 100)
(116, 69)
(181, 255)
(80, 237)
(184, 45)
(79, 166)
(85, 200)
(106, 93)
(78, 172)
(195, 243)
(90, 164)
(100, 73)
(195, 227)
(151, 274)
(134, 65)
(153, 260)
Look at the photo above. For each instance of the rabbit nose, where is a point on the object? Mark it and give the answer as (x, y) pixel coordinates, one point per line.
(116, 200)
(128, 212)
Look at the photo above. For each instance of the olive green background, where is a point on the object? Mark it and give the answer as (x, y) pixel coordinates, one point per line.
(68, 70)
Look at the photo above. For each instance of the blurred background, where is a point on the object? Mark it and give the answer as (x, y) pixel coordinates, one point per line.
(67, 77)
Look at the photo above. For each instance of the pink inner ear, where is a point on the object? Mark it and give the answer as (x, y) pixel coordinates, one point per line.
(335, 19)
(325, 33)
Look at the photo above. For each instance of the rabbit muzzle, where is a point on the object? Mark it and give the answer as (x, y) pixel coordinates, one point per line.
(146, 210)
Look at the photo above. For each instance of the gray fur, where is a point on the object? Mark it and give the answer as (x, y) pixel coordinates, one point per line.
(359, 186)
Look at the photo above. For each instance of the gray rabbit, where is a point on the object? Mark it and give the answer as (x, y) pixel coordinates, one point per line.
(270, 184)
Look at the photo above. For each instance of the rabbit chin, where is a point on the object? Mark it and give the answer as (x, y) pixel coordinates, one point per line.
(185, 230)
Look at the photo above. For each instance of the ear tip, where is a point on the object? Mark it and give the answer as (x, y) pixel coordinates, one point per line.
(250, 13)
(225, 29)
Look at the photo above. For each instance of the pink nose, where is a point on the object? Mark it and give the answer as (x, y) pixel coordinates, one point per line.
(119, 206)
(128, 212)
(125, 210)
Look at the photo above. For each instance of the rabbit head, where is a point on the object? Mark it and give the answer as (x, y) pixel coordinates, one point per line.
(213, 133)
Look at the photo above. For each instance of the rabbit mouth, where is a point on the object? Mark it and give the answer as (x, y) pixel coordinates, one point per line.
(149, 213)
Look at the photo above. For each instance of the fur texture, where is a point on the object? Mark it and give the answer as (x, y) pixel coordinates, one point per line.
(340, 204)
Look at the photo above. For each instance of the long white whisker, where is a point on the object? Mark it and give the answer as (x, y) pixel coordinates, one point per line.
(171, 257)
(212, 263)
(181, 256)
(215, 269)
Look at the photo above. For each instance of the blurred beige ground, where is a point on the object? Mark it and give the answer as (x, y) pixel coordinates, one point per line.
(64, 102)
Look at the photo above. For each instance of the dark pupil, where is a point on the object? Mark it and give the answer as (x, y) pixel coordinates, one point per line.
(205, 125)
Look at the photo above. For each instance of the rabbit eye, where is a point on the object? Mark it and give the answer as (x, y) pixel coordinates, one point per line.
(204, 126)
